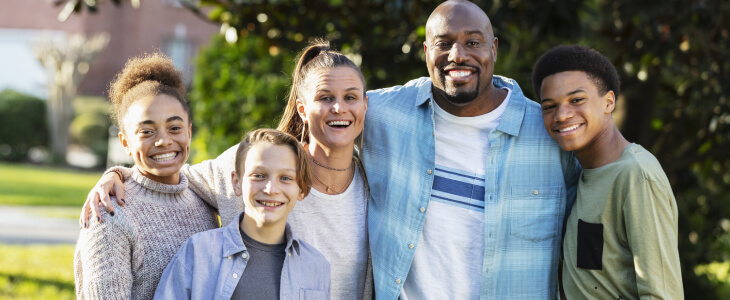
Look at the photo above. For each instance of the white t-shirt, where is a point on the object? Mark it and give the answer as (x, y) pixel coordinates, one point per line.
(448, 258)
(337, 226)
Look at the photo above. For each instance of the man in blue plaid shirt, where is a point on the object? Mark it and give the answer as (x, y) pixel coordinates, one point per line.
(468, 191)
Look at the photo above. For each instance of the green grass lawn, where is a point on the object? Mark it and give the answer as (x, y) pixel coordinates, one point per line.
(36, 272)
(22, 184)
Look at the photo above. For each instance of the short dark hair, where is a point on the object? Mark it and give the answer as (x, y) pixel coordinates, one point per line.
(576, 58)
(276, 137)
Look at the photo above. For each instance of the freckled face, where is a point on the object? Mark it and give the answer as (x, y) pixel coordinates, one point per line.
(334, 108)
(269, 185)
(157, 137)
(575, 113)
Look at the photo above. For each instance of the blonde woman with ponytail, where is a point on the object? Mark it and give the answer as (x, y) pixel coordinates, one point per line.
(326, 112)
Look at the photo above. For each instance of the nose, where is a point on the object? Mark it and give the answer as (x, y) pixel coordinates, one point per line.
(339, 106)
(271, 187)
(163, 139)
(457, 54)
(564, 113)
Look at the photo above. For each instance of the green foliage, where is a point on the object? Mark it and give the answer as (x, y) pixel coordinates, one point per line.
(90, 127)
(238, 87)
(22, 125)
(36, 272)
(673, 60)
(718, 273)
(34, 185)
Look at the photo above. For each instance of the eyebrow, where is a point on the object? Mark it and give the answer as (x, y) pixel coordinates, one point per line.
(259, 167)
(347, 90)
(174, 118)
(170, 119)
(568, 94)
(468, 32)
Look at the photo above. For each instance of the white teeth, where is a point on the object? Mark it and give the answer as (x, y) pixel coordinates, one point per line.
(459, 73)
(569, 128)
(165, 157)
(270, 204)
(338, 123)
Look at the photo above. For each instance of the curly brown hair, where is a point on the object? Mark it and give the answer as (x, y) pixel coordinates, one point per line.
(145, 75)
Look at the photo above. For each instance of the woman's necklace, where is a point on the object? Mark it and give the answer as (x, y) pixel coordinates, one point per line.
(331, 168)
(332, 188)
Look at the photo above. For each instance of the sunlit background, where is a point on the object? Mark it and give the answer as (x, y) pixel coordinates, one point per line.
(57, 58)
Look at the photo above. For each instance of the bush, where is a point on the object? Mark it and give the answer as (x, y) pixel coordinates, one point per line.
(236, 88)
(90, 127)
(22, 125)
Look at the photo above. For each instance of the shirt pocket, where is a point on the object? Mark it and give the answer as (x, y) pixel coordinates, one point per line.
(535, 212)
(306, 294)
(590, 245)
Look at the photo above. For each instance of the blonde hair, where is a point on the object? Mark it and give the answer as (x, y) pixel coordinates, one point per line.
(315, 57)
(276, 137)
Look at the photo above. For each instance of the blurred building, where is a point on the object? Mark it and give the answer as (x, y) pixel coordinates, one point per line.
(156, 24)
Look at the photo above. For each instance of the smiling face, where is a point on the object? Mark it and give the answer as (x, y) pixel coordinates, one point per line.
(268, 184)
(157, 136)
(334, 108)
(575, 113)
(460, 52)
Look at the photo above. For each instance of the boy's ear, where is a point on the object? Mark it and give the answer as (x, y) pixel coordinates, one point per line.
(610, 100)
(301, 195)
(125, 143)
(236, 184)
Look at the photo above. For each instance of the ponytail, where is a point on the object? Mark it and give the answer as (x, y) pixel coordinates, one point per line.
(317, 56)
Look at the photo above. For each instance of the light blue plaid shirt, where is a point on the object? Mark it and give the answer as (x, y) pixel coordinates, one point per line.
(529, 185)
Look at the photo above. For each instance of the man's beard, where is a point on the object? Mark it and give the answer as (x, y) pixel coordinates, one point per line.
(459, 98)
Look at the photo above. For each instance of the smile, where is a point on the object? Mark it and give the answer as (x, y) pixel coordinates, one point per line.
(165, 157)
(459, 73)
(569, 129)
(269, 203)
(339, 124)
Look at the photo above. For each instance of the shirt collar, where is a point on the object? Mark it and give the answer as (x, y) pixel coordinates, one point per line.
(515, 111)
(233, 243)
(513, 114)
(424, 92)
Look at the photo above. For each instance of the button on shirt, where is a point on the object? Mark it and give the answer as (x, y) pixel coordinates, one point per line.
(522, 229)
(209, 265)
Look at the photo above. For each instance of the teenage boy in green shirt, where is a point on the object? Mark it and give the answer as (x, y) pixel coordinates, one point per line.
(621, 235)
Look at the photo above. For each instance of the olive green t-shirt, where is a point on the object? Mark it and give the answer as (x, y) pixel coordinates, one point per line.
(621, 235)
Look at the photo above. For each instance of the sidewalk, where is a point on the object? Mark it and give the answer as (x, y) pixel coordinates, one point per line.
(32, 225)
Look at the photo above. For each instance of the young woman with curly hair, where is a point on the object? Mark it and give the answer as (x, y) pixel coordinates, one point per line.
(123, 257)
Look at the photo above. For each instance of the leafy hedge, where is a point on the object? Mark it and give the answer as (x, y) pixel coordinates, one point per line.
(22, 125)
(236, 89)
(90, 126)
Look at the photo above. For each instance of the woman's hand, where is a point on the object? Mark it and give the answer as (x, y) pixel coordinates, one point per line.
(109, 184)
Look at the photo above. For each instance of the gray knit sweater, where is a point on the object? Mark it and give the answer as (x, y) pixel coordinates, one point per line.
(123, 257)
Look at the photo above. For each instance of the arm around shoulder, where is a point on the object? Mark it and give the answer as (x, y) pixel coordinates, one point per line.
(211, 179)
